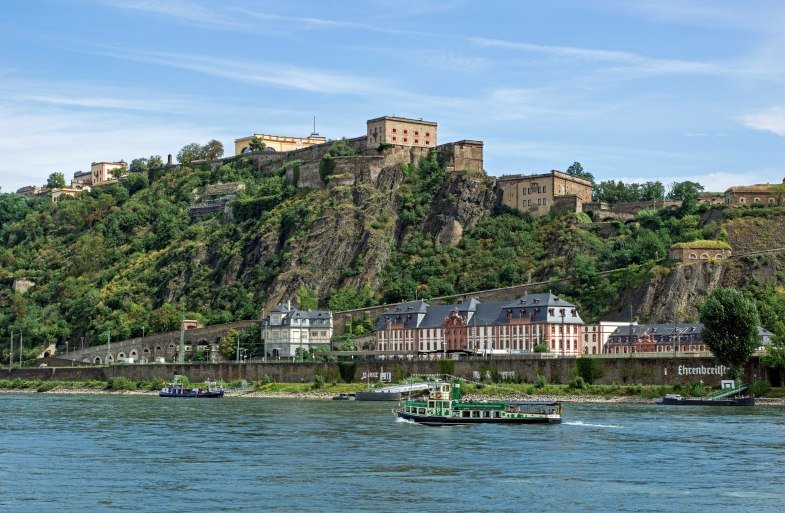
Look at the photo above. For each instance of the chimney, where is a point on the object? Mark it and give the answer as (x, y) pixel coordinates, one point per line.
(169, 160)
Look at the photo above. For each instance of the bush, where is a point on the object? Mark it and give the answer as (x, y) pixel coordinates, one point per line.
(540, 381)
(589, 369)
(696, 389)
(577, 383)
(318, 382)
(156, 384)
(347, 371)
(46, 386)
(120, 383)
(760, 388)
(445, 366)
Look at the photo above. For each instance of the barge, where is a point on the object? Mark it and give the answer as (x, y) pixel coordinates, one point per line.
(444, 407)
(177, 389)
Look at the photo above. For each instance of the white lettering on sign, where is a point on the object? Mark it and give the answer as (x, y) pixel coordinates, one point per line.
(718, 370)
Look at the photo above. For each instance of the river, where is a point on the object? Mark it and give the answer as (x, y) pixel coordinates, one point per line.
(89, 453)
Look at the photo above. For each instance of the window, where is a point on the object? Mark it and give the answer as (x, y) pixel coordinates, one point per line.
(544, 189)
(756, 200)
(416, 132)
(405, 139)
(529, 190)
(539, 189)
(545, 201)
(427, 134)
(530, 202)
(395, 130)
(539, 201)
(406, 131)
(427, 142)
(394, 138)
(416, 141)
(523, 191)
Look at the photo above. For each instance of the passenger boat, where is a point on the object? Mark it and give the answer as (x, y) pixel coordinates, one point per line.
(443, 407)
(177, 389)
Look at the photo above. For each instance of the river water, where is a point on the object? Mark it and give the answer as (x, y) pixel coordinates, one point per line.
(85, 453)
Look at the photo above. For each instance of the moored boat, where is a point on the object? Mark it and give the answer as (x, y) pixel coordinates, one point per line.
(675, 400)
(443, 407)
(177, 389)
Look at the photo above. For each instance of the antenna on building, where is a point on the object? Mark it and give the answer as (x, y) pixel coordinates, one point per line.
(314, 127)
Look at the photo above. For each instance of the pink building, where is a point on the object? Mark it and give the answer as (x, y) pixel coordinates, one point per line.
(102, 171)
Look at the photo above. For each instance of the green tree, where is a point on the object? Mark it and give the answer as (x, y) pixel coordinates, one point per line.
(13, 207)
(256, 144)
(139, 165)
(190, 152)
(685, 191)
(155, 161)
(306, 298)
(165, 318)
(775, 352)
(55, 181)
(652, 191)
(213, 149)
(576, 169)
(118, 171)
(730, 327)
(227, 346)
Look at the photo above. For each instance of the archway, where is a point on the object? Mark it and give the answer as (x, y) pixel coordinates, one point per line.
(97, 360)
(46, 354)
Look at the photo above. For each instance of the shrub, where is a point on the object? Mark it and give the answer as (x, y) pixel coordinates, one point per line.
(156, 384)
(589, 369)
(266, 380)
(347, 371)
(318, 381)
(540, 381)
(46, 386)
(577, 383)
(760, 388)
(445, 366)
(696, 389)
(120, 383)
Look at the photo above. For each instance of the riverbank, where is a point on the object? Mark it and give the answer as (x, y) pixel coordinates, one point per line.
(300, 391)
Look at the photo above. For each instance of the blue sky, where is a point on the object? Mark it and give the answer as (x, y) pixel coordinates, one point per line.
(662, 90)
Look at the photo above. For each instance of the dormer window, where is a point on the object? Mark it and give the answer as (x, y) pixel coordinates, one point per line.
(551, 311)
(574, 312)
(536, 300)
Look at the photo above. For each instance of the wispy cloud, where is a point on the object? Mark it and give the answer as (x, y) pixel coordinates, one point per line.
(286, 76)
(181, 10)
(771, 120)
(641, 62)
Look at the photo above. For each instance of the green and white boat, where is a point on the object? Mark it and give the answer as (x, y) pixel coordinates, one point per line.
(444, 407)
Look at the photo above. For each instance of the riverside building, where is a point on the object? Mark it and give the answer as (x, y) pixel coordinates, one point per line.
(665, 338)
(286, 329)
(472, 327)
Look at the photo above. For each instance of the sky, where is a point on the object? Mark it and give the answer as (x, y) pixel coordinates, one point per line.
(665, 90)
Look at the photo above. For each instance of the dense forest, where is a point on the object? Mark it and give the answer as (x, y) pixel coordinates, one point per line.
(128, 257)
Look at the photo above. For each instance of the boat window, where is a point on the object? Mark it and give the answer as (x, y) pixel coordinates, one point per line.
(465, 413)
(475, 414)
(486, 414)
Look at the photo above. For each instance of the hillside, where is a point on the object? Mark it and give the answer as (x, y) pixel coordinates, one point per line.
(347, 226)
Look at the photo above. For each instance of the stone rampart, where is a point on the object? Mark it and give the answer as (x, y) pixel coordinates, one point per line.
(622, 370)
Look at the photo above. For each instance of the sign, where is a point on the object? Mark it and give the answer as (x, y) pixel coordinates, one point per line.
(381, 376)
(717, 370)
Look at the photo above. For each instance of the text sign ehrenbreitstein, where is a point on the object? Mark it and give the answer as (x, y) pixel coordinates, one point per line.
(717, 370)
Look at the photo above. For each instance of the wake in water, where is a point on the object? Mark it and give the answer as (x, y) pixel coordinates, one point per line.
(588, 424)
(406, 421)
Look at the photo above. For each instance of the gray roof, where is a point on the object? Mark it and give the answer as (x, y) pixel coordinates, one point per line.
(538, 308)
(681, 328)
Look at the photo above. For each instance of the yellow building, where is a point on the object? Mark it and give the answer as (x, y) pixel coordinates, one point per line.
(536, 194)
(102, 171)
(73, 192)
(277, 143)
(401, 131)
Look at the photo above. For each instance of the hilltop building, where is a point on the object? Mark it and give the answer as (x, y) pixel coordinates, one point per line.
(482, 328)
(102, 171)
(277, 143)
(664, 338)
(31, 190)
(81, 179)
(699, 251)
(538, 194)
(401, 131)
(286, 329)
(72, 192)
(760, 194)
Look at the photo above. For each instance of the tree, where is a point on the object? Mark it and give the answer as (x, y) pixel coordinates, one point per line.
(685, 191)
(155, 161)
(730, 328)
(13, 207)
(190, 152)
(775, 352)
(227, 346)
(55, 181)
(118, 171)
(576, 169)
(256, 144)
(213, 150)
(165, 318)
(139, 165)
(306, 298)
(652, 191)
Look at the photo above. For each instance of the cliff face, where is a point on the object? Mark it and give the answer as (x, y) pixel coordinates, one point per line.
(673, 294)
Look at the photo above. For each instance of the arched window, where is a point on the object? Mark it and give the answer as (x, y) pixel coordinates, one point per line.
(704, 256)
(693, 256)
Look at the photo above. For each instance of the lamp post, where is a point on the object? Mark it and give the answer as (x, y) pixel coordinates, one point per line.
(66, 348)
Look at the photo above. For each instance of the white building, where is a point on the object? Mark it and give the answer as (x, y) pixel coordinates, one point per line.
(595, 336)
(287, 329)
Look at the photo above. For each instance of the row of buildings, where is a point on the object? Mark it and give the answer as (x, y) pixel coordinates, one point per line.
(101, 173)
(519, 326)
